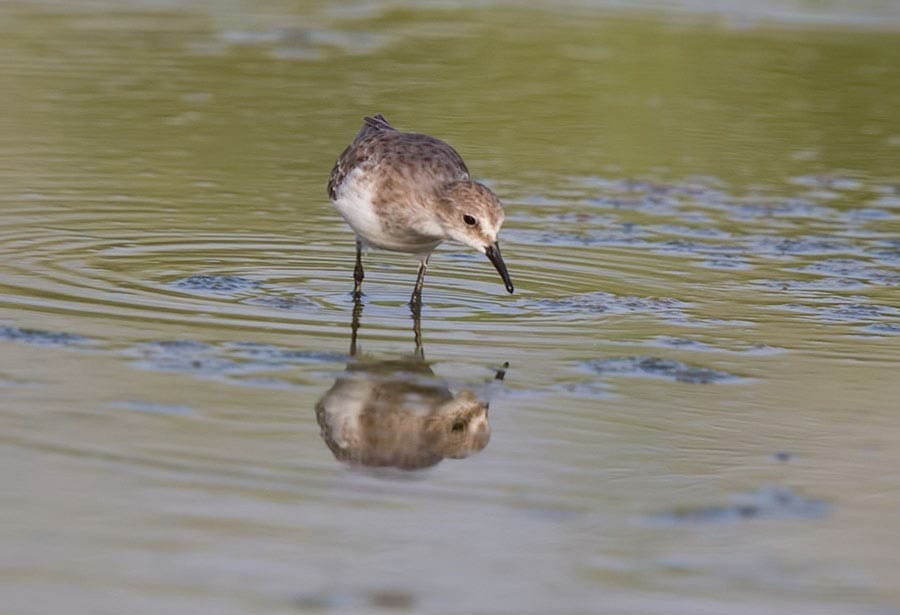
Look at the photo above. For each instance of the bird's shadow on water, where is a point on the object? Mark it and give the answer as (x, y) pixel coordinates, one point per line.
(397, 413)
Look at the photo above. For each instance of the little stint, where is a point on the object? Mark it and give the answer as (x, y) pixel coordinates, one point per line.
(408, 192)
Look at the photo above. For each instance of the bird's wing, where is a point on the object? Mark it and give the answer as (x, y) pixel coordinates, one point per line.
(441, 163)
(350, 156)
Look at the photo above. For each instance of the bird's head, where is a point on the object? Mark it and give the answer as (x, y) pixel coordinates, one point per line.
(471, 214)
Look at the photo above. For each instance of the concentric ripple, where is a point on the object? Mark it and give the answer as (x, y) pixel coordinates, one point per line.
(608, 247)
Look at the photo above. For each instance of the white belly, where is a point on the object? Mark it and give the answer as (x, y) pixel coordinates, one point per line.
(354, 202)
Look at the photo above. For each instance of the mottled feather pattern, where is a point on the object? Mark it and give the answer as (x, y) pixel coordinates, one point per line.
(349, 158)
(378, 144)
(377, 122)
(408, 192)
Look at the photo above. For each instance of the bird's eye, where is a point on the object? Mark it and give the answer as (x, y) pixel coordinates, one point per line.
(458, 426)
(470, 220)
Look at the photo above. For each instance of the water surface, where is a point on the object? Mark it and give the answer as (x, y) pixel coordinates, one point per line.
(703, 226)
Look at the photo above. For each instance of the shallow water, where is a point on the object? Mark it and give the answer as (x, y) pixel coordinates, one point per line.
(703, 226)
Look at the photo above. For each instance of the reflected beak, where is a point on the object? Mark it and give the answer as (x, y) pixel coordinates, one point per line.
(493, 254)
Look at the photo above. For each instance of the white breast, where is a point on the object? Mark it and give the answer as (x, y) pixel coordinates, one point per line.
(354, 202)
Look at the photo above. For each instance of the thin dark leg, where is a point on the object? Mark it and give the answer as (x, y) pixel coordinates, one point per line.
(358, 273)
(354, 325)
(417, 332)
(415, 302)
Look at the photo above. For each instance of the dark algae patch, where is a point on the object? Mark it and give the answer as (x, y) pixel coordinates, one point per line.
(294, 302)
(609, 303)
(655, 367)
(40, 337)
(186, 356)
(215, 284)
(770, 502)
(280, 356)
(237, 362)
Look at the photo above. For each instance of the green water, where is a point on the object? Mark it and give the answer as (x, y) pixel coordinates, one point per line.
(703, 227)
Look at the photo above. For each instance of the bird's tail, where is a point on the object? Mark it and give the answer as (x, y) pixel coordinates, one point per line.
(375, 124)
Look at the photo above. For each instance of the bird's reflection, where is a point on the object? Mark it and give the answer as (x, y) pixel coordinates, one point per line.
(398, 413)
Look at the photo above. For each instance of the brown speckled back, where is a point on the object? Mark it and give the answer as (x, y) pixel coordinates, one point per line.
(402, 159)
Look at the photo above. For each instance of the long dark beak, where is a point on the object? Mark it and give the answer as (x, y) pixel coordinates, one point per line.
(493, 254)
